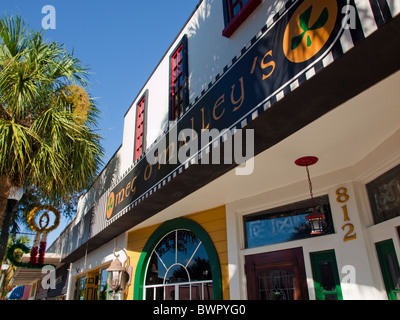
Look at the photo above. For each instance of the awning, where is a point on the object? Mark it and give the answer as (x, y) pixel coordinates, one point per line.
(26, 276)
(16, 293)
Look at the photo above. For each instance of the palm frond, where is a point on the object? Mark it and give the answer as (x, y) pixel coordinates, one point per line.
(47, 117)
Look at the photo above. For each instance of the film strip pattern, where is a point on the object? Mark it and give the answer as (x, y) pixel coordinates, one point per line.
(369, 15)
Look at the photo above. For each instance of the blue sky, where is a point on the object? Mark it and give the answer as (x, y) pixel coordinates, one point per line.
(121, 41)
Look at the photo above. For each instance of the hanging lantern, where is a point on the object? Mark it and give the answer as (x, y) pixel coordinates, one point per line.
(315, 219)
(115, 273)
(316, 222)
(119, 276)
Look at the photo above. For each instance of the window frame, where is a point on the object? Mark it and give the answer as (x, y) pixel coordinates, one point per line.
(380, 186)
(299, 208)
(383, 250)
(327, 256)
(184, 85)
(158, 235)
(168, 265)
(144, 98)
(233, 22)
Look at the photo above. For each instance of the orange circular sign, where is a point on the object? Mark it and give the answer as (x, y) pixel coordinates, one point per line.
(309, 29)
(110, 205)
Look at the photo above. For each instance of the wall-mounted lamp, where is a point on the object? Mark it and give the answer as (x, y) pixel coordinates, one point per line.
(315, 219)
(119, 276)
(4, 268)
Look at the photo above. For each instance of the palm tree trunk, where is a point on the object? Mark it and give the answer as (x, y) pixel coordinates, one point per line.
(5, 228)
(5, 187)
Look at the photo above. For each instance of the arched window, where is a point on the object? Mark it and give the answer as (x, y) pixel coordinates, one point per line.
(178, 264)
(179, 269)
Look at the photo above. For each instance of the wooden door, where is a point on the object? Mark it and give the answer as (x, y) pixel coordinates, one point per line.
(390, 268)
(278, 275)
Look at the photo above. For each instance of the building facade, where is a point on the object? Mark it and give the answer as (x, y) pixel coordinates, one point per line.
(204, 193)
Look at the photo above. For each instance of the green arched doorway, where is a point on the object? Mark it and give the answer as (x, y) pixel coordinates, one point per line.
(179, 260)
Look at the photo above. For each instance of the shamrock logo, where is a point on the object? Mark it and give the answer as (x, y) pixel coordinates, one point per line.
(110, 205)
(304, 24)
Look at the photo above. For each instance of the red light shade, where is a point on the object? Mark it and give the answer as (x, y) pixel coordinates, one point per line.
(306, 161)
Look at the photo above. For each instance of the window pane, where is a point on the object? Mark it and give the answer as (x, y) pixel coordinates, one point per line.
(184, 292)
(276, 285)
(394, 270)
(331, 296)
(199, 267)
(170, 292)
(187, 244)
(275, 230)
(327, 276)
(150, 294)
(208, 291)
(154, 275)
(236, 9)
(103, 285)
(180, 257)
(384, 195)
(176, 273)
(166, 249)
(178, 76)
(286, 223)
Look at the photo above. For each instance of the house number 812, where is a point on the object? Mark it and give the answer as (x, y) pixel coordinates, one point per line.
(343, 197)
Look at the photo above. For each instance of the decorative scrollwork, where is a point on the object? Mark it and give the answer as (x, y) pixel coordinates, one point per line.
(43, 227)
(39, 246)
(11, 257)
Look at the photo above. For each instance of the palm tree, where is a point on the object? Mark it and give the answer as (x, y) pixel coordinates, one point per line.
(47, 118)
(18, 255)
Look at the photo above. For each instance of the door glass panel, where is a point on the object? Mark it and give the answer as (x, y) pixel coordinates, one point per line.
(394, 270)
(278, 275)
(389, 267)
(327, 276)
(331, 296)
(276, 285)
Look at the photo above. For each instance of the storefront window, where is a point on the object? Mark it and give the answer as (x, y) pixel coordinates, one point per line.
(179, 269)
(384, 195)
(103, 285)
(285, 223)
(80, 292)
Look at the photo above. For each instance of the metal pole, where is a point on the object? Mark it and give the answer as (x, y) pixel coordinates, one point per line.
(70, 289)
(3, 277)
